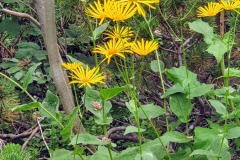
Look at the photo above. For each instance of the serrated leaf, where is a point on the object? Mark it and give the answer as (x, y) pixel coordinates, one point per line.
(28, 78)
(155, 66)
(109, 93)
(86, 139)
(181, 106)
(151, 110)
(132, 129)
(26, 107)
(67, 131)
(203, 28)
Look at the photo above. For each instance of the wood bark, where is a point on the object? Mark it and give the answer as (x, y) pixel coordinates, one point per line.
(46, 14)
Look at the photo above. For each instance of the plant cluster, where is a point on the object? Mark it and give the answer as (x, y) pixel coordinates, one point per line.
(135, 103)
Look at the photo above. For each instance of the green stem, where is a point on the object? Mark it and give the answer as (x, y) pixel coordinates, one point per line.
(25, 91)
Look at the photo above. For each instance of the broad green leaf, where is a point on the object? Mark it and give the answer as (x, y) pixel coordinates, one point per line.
(176, 137)
(72, 59)
(177, 88)
(19, 75)
(67, 131)
(203, 152)
(99, 30)
(92, 98)
(219, 107)
(62, 154)
(233, 72)
(86, 139)
(40, 55)
(155, 66)
(181, 154)
(26, 107)
(28, 45)
(109, 93)
(10, 26)
(233, 133)
(200, 90)
(203, 28)
(222, 91)
(181, 74)
(13, 69)
(151, 110)
(181, 106)
(102, 154)
(220, 46)
(146, 156)
(51, 103)
(28, 78)
(153, 146)
(132, 129)
(131, 107)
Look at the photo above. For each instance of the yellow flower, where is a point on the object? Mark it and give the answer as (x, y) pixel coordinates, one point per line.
(210, 10)
(71, 66)
(86, 77)
(230, 4)
(143, 47)
(111, 48)
(138, 3)
(119, 11)
(119, 33)
(97, 11)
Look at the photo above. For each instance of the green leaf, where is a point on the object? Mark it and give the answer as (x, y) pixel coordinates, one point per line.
(155, 67)
(109, 93)
(233, 133)
(203, 28)
(13, 69)
(132, 129)
(220, 46)
(176, 137)
(87, 139)
(219, 107)
(51, 103)
(67, 131)
(131, 107)
(181, 106)
(40, 55)
(28, 78)
(62, 154)
(99, 30)
(203, 152)
(177, 88)
(146, 156)
(151, 110)
(26, 107)
(10, 26)
(233, 72)
(200, 90)
(93, 98)
(28, 45)
(102, 154)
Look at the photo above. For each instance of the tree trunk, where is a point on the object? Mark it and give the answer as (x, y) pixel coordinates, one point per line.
(46, 14)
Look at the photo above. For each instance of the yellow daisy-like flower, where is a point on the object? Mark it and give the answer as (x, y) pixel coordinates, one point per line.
(211, 9)
(230, 4)
(144, 47)
(97, 11)
(140, 8)
(86, 77)
(119, 11)
(119, 33)
(111, 48)
(71, 66)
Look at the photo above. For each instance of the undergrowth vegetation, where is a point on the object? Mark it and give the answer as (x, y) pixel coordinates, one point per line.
(148, 80)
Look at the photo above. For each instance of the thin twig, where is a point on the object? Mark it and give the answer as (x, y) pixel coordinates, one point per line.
(30, 137)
